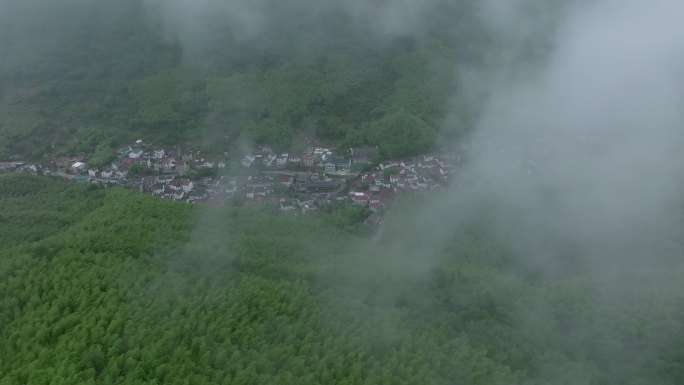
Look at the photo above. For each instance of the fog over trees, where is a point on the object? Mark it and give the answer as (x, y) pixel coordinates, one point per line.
(554, 258)
(80, 73)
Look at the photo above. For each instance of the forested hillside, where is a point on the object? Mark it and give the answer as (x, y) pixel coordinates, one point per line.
(553, 257)
(78, 75)
(111, 286)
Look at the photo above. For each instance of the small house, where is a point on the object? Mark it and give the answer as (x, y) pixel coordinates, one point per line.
(337, 163)
(363, 154)
(135, 153)
(308, 160)
(62, 162)
(77, 168)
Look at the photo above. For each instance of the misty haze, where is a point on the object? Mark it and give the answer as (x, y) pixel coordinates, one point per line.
(342, 192)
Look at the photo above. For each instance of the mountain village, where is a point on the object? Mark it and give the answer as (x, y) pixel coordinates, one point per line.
(291, 182)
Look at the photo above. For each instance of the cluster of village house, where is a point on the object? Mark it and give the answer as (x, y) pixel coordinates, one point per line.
(260, 177)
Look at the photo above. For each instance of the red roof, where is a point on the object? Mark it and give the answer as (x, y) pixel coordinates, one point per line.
(127, 162)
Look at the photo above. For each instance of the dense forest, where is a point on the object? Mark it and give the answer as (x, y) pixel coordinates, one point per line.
(81, 75)
(553, 258)
(109, 286)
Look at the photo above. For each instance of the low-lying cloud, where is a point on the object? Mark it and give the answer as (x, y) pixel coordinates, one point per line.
(302, 25)
(587, 147)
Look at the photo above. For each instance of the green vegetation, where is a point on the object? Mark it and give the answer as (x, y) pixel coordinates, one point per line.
(346, 217)
(139, 170)
(111, 286)
(108, 286)
(35, 208)
(79, 74)
(400, 135)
